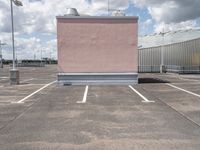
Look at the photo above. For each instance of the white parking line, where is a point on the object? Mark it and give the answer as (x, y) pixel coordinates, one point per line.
(4, 77)
(171, 75)
(145, 100)
(84, 97)
(190, 83)
(183, 90)
(22, 100)
(27, 80)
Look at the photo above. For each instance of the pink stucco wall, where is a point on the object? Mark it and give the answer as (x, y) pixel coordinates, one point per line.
(97, 45)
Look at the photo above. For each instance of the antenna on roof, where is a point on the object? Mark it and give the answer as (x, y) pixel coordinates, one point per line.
(108, 6)
(115, 12)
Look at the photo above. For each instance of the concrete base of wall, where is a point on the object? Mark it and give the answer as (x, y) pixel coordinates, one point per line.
(97, 78)
(162, 69)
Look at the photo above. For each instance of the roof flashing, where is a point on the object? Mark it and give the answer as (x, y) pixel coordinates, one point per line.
(97, 17)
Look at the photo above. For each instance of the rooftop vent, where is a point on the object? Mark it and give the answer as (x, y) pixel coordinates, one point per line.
(118, 13)
(72, 12)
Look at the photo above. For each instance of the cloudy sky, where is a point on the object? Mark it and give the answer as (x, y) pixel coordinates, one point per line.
(35, 23)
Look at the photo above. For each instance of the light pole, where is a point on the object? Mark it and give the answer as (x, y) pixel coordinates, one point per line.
(108, 7)
(50, 58)
(42, 52)
(162, 66)
(14, 73)
(1, 57)
(41, 56)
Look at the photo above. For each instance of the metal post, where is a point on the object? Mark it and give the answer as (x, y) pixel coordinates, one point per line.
(13, 38)
(50, 58)
(162, 56)
(34, 57)
(108, 7)
(41, 56)
(1, 59)
(162, 53)
(1, 54)
(14, 73)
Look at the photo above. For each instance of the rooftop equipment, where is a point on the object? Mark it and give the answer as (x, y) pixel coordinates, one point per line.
(72, 12)
(118, 13)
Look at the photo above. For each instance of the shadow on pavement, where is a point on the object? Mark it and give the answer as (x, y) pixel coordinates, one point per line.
(151, 80)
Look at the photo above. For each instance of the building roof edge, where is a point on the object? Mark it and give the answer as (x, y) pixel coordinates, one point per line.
(98, 17)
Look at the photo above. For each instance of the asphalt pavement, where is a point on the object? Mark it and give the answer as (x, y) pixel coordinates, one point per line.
(162, 112)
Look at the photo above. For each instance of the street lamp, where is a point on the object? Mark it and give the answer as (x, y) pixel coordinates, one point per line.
(1, 58)
(108, 7)
(162, 53)
(14, 73)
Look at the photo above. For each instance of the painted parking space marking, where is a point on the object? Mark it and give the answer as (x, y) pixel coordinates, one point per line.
(84, 96)
(190, 83)
(22, 100)
(22, 85)
(189, 92)
(3, 77)
(27, 80)
(171, 75)
(145, 100)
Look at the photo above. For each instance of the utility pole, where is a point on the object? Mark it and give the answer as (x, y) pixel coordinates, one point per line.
(162, 66)
(108, 7)
(14, 73)
(50, 57)
(1, 55)
(41, 56)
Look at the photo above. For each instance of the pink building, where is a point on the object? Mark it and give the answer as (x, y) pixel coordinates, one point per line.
(97, 50)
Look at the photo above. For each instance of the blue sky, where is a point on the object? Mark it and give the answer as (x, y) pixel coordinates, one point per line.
(143, 15)
(35, 23)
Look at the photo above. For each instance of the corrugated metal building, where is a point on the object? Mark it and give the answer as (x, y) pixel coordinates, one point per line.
(181, 57)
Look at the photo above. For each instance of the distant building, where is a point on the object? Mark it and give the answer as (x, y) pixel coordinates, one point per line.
(97, 50)
(180, 50)
(170, 37)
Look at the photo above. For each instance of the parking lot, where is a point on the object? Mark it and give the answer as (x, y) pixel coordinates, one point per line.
(162, 112)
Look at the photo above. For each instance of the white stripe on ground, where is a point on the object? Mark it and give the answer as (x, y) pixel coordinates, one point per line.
(85, 96)
(27, 80)
(183, 90)
(29, 84)
(145, 100)
(4, 77)
(22, 100)
(190, 83)
(171, 75)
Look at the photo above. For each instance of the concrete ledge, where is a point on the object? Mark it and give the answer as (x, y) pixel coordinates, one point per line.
(14, 76)
(97, 78)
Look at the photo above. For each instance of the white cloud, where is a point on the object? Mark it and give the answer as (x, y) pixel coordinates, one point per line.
(169, 11)
(24, 47)
(172, 14)
(175, 26)
(144, 26)
(148, 22)
(39, 17)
